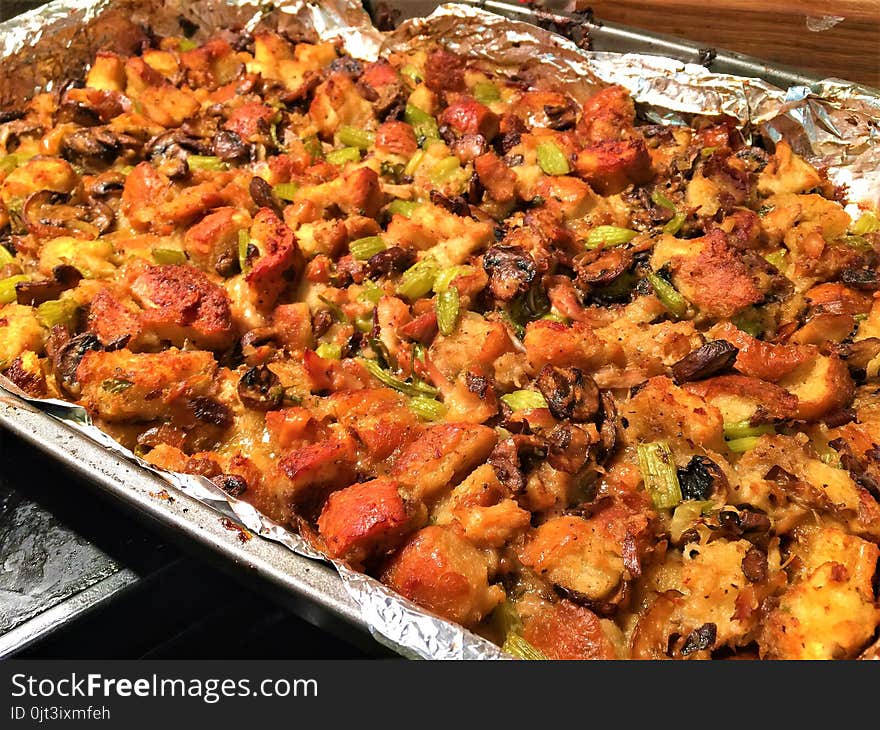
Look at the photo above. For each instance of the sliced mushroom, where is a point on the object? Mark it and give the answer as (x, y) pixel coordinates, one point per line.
(259, 343)
(392, 260)
(232, 484)
(864, 470)
(570, 393)
(32, 293)
(505, 460)
(95, 148)
(864, 279)
(457, 205)
(49, 214)
(602, 266)
(170, 150)
(754, 565)
(106, 185)
(699, 639)
(211, 411)
(263, 195)
(67, 358)
(861, 352)
(511, 270)
(570, 448)
(228, 146)
(605, 609)
(704, 362)
(561, 116)
(609, 428)
(227, 263)
(701, 479)
(260, 389)
(11, 115)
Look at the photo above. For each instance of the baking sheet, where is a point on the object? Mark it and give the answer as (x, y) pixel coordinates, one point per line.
(55, 43)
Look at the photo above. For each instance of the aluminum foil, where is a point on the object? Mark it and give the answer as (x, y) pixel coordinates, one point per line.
(835, 125)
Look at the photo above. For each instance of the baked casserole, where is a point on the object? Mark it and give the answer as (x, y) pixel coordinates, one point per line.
(590, 387)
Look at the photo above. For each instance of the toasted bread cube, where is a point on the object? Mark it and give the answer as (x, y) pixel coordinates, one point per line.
(396, 138)
(564, 630)
(107, 72)
(831, 612)
(575, 345)
(315, 471)
(110, 318)
(338, 102)
(380, 418)
(475, 342)
(279, 256)
(124, 386)
(662, 410)
(444, 573)
(821, 385)
(787, 173)
(433, 463)
(612, 165)
(498, 179)
(181, 304)
(215, 236)
(364, 521)
(586, 556)
(607, 114)
(38, 173)
(20, 330)
(468, 116)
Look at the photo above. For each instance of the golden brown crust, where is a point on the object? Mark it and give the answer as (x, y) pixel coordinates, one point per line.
(606, 387)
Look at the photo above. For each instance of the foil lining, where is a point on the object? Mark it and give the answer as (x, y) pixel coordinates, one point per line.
(836, 125)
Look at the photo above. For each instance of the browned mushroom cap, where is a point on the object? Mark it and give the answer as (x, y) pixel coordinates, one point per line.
(263, 195)
(106, 185)
(865, 279)
(511, 270)
(96, 148)
(602, 266)
(47, 213)
(858, 354)
(169, 152)
(570, 393)
(704, 362)
(66, 360)
(228, 146)
(260, 389)
(32, 293)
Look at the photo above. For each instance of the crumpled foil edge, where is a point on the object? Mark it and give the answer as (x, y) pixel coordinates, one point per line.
(836, 125)
(394, 621)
